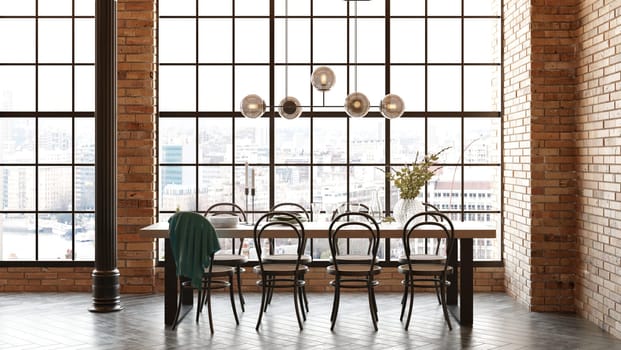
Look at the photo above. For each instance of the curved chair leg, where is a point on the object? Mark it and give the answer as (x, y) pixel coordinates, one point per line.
(374, 304)
(232, 296)
(263, 300)
(407, 323)
(176, 321)
(297, 308)
(444, 308)
(370, 295)
(209, 306)
(437, 286)
(300, 298)
(270, 293)
(404, 299)
(242, 301)
(200, 299)
(335, 307)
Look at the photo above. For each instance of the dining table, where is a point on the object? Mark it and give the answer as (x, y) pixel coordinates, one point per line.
(459, 296)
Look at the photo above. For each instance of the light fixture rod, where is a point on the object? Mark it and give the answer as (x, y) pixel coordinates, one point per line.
(286, 48)
(355, 46)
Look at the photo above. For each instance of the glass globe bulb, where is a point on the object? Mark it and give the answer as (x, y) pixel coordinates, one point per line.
(290, 108)
(392, 106)
(323, 78)
(252, 106)
(357, 105)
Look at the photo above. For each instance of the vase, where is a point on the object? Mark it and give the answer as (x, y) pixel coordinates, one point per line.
(405, 208)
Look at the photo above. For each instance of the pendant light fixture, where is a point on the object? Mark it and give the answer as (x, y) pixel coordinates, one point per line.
(356, 103)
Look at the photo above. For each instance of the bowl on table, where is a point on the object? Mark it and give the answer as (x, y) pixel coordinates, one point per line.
(223, 221)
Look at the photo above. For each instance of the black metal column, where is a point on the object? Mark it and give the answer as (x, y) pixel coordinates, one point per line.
(106, 286)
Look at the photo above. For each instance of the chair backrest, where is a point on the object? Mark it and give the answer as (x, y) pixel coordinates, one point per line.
(432, 208)
(226, 208)
(266, 229)
(350, 208)
(193, 241)
(424, 221)
(293, 208)
(350, 225)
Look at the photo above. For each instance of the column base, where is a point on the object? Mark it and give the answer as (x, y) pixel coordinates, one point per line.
(106, 291)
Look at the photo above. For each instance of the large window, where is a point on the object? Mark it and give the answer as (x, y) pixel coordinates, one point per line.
(441, 57)
(47, 130)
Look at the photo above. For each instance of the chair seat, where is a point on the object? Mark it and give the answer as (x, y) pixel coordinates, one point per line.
(425, 258)
(424, 269)
(229, 259)
(354, 269)
(354, 259)
(221, 270)
(286, 259)
(280, 269)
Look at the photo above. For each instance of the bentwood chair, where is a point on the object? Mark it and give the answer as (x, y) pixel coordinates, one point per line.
(349, 208)
(194, 243)
(420, 273)
(359, 272)
(302, 214)
(280, 274)
(235, 259)
(430, 253)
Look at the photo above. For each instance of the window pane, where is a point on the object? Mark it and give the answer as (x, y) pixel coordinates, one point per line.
(298, 85)
(367, 140)
(252, 7)
(329, 8)
(215, 88)
(370, 82)
(444, 89)
(84, 40)
(55, 140)
(177, 188)
(55, 188)
(85, 7)
(215, 186)
(52, 244)
(251, 80)
(252, 40)
(22, 46)
(292, 185)
(482, 7)
(482, 88)
(215, 48)
(371, 36)
(407, 40)
(444, 132)
(482, 140)
(329, 140)
(17, 88)
(215, 140)
(17, 188)
(444, 190)
(55, 40)
(444, 8)
(252, 140)
(85, 188)
(17, 140)
(85, 140)
(55, 88)
(172, 49)
(17, 233)
(364, 181)
(407, 7)
(262, 189)
(292, 140)
(409, 83)
(177, 88)
(333, 99)
(55, 8)
(329, 40)
(481, 40)
(84, 88)
(17, 8)
(177, 140)
(330, 186)
(482, 188)
(84, 236)
(407, 139)
(179, 7)
(295, 8)
(444, 40)
(212, 8)
(298, 42)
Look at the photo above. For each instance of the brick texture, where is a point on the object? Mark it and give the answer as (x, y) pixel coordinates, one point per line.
(598, 131)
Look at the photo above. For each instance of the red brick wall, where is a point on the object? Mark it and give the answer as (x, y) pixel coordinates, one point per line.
(598, 290)
(517, 149)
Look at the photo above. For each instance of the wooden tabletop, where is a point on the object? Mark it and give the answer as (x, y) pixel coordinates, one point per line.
(320, 229)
